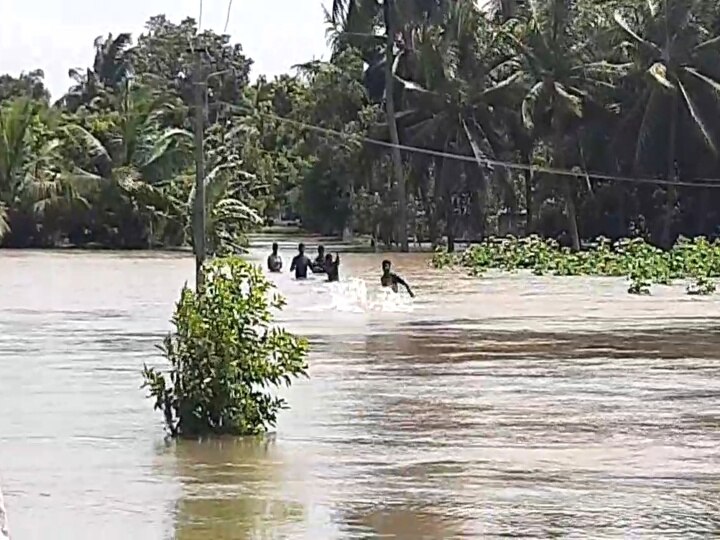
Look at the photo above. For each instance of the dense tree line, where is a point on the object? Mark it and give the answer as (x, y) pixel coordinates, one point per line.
(623, 88)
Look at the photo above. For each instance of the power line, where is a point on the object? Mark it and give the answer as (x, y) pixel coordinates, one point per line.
(699, 183)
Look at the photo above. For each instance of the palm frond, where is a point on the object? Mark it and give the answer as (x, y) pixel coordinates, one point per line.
(572, 102)
(83, 137)
(645, 131)
(501, 88)
(237, 210)
(697, 117)
(708, 44)
(625, 26)
(164, 143)
(712, 84)
(529, 104)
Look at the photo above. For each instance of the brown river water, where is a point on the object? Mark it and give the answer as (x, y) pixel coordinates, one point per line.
(509, 406)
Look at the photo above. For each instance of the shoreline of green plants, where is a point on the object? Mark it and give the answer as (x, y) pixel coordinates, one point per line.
(643, 264)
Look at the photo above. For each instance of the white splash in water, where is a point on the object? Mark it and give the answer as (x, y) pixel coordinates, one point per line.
(353, 295)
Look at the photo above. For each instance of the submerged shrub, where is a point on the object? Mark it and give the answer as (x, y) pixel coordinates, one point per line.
(225, 356)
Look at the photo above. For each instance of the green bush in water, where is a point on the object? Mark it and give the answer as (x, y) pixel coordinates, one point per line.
(225, 356)
(642, 263)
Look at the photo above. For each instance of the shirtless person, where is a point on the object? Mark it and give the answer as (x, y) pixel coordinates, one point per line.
(318, 265)
(274, 261)
(390, 279)
(332, 268)
(301, 263)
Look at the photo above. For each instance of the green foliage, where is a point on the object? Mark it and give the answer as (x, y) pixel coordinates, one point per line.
(626, 88)
(642, 263)
(29, 85)
(226, 356)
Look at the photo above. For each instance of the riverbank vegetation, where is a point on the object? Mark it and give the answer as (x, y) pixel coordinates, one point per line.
(225, 356)
(695, 261)
(611, 88)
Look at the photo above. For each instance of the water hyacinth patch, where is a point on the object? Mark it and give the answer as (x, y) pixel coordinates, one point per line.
(696, 260)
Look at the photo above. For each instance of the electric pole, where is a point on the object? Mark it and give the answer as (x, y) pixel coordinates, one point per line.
(199, 218)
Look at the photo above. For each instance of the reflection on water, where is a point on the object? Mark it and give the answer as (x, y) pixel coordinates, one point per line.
(232, 489)
(512, 405)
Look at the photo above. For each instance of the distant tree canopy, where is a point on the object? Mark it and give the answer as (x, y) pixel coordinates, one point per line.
(624, 88)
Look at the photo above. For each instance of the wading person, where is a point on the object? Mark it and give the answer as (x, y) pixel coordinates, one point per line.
(332, 268)
(392, 280)
(274, 261)
(301, 263)
(318, 265)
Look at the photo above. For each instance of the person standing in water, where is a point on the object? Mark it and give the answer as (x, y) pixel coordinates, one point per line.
(301, 263)
(332, 268)
(390, 279)
(274, 261)
(318, 265)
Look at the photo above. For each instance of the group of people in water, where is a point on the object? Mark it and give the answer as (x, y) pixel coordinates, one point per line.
(324, 263)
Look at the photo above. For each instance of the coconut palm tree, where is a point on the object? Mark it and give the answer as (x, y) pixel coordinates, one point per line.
(112, 60)
(34, 177)
(135, 136)
(562, 73)
(459, 92)
(361, 18)
(133, 155)
(110, 72)
(675, 62)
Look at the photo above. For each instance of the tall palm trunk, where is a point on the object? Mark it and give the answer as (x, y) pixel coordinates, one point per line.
(427, 200)
(529, 215)
(671, 199)
(394, 137)
(529, 181)
(568, 190)
(445, 192)
(436, 203)
(572, 213)
(478, 187)
(449, 221)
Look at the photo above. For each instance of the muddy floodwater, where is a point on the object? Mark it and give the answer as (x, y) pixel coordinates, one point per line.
(509, 406)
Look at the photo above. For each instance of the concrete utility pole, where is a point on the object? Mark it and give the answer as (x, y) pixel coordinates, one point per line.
(199, 217)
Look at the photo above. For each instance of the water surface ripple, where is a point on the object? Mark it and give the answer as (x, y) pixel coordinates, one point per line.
(510, 406)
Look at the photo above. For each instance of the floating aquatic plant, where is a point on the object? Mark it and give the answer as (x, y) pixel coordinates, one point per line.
(696, 260)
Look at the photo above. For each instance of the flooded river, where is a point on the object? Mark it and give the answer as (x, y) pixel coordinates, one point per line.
(511, 406)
